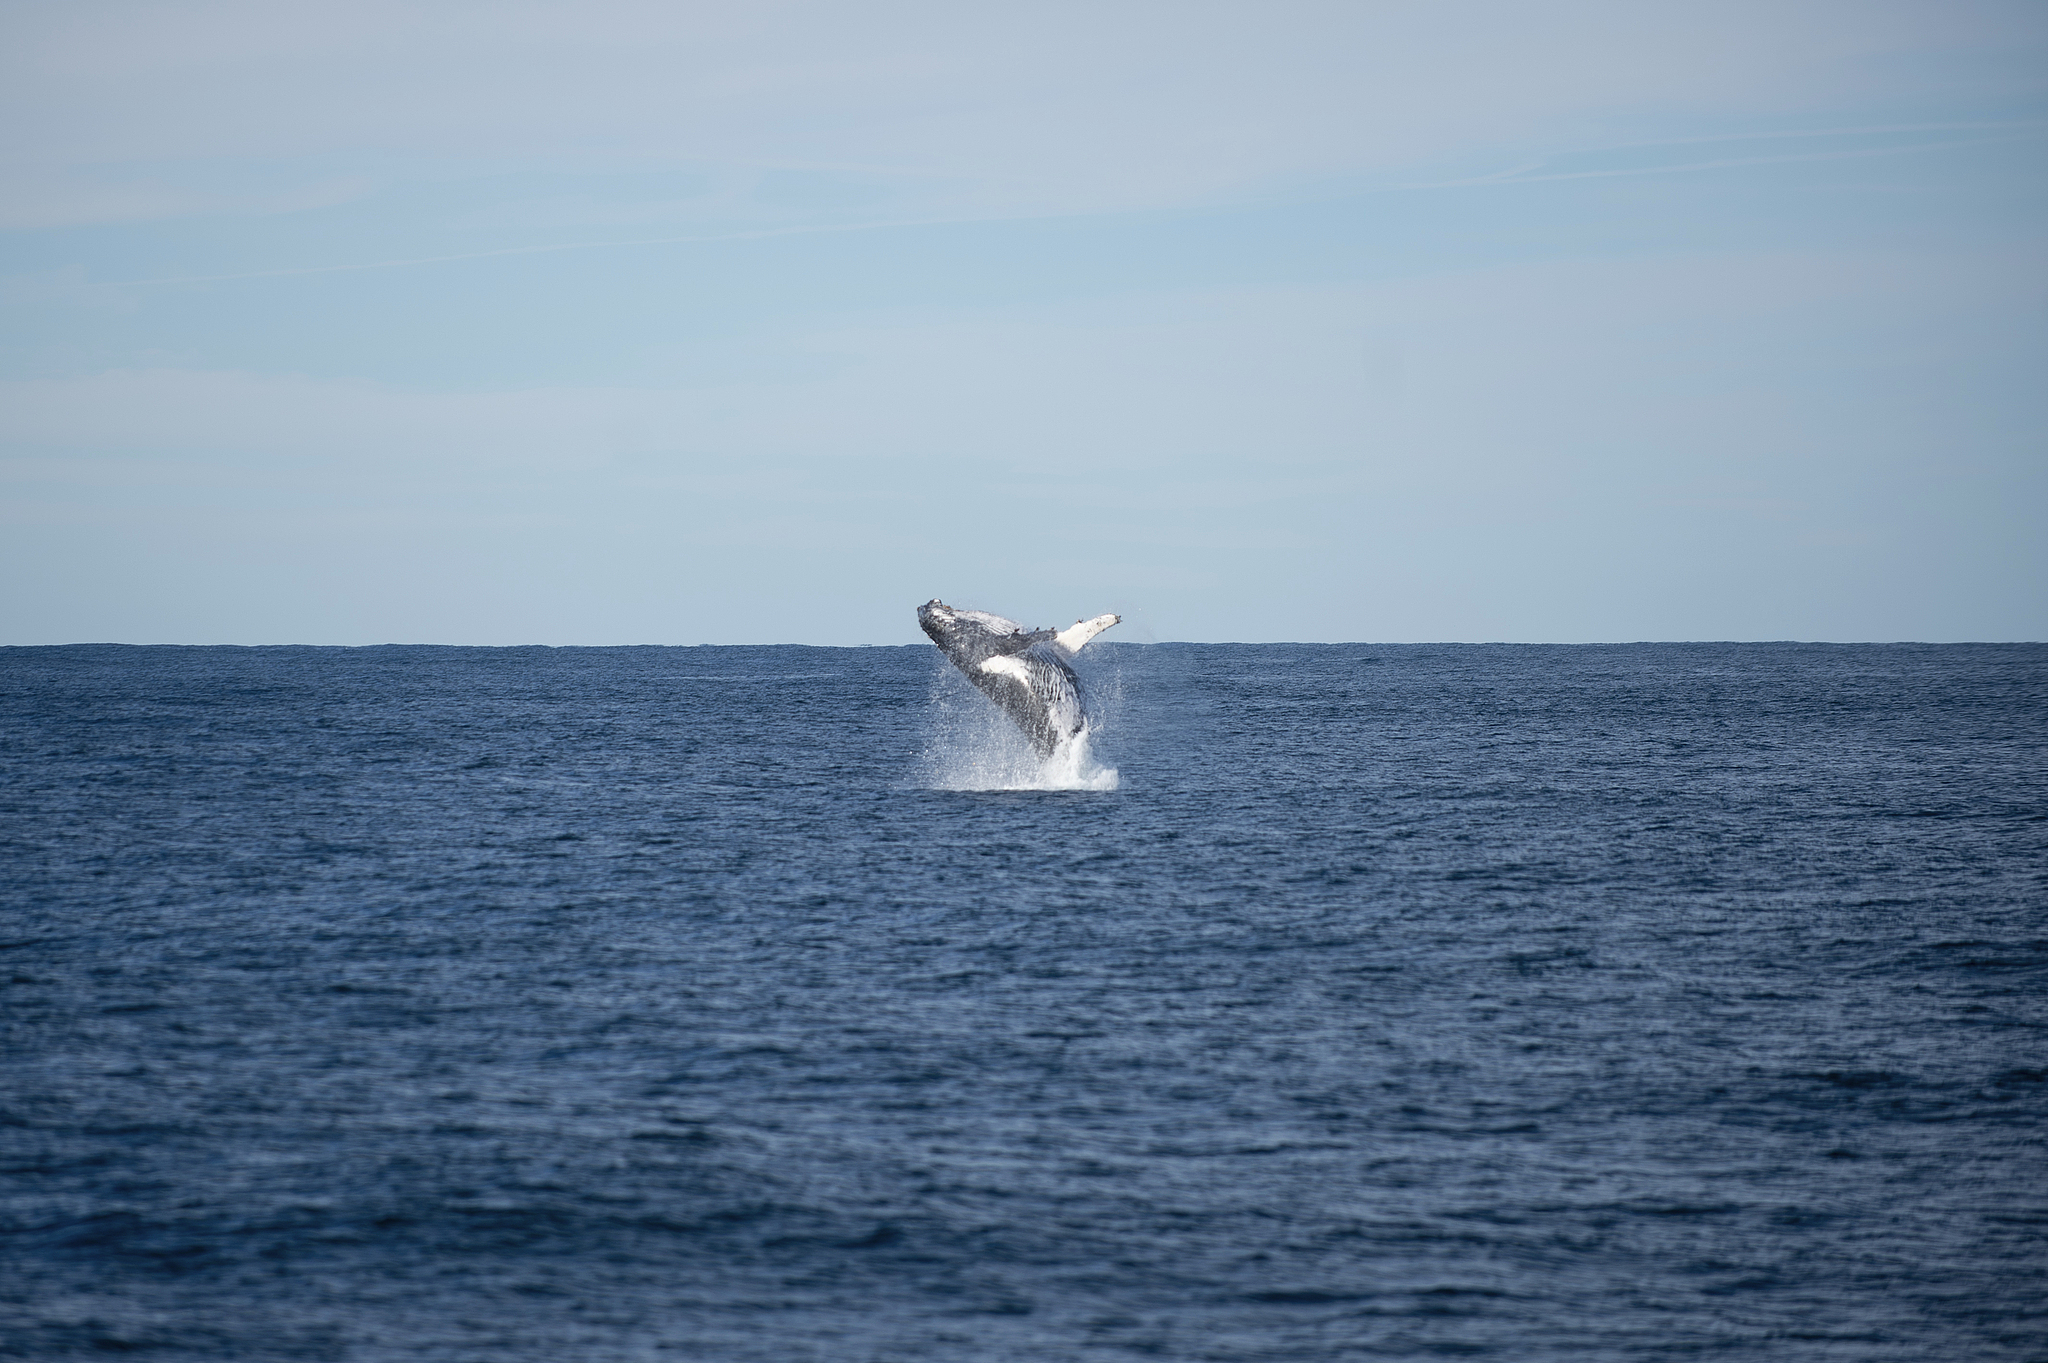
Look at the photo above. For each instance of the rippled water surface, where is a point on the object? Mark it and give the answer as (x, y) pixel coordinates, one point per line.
(1398, 1002)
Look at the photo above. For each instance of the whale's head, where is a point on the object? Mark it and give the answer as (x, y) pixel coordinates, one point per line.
(937, 620)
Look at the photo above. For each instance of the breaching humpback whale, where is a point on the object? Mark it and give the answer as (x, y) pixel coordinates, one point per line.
(1024, 671)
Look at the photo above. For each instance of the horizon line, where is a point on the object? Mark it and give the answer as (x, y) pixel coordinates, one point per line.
(1130, 643)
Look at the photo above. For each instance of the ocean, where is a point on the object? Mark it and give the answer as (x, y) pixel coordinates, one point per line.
(1346, 1002)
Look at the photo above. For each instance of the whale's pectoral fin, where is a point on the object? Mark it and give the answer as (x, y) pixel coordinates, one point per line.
(1081, 631)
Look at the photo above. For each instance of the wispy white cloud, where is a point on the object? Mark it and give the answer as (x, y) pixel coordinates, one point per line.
(1679, 156)
(1675, 156)
(42, 197)
(1647, 411)
(1044, 108)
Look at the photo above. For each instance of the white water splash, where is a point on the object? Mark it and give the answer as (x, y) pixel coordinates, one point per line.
(972, 746)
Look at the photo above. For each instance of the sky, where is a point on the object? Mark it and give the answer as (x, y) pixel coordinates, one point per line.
(619, 323)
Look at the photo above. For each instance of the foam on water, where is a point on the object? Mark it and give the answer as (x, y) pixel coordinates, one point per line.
(1008, 763)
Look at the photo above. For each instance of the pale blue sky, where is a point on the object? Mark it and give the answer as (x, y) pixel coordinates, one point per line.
(623, 323)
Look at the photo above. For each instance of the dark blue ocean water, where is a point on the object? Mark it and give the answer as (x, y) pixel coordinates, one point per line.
(1401, 1002)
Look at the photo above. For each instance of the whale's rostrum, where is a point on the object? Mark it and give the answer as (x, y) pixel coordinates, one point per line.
(1024, 671)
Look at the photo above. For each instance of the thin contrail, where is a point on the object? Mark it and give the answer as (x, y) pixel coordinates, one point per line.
(2012, 132)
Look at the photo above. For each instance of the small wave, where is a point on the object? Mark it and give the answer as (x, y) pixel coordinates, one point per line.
(752, 676)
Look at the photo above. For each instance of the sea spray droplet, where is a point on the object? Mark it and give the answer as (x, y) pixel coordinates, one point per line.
(973, 747)
(1072, 766)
